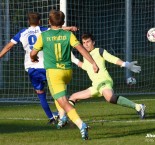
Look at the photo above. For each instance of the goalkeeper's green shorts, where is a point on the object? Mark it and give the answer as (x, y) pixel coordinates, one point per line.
(96, 90)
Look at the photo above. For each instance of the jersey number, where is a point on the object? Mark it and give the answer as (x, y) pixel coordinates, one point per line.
(32, 40)
(57, 48)
(58, 55)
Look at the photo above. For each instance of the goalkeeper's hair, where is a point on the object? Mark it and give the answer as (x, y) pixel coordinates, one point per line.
(87, 36)
(34, 18)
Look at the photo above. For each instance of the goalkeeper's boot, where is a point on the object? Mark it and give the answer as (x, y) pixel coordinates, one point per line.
(84, 131)
(142, 111)
(62, 122)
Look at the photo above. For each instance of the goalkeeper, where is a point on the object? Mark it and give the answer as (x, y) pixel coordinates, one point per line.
(102, 83)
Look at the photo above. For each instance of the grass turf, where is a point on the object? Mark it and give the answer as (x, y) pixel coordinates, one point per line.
(109, 124)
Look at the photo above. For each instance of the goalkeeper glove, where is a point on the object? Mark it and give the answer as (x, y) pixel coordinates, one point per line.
(132, 67)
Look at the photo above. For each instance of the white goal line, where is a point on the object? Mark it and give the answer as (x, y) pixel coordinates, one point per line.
(88, 121)
(122, 121)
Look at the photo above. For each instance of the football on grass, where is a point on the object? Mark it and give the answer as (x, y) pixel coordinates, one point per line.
(151, 35)
(131, 81)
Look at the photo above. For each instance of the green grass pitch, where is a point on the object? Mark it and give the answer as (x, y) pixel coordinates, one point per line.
(109, 124)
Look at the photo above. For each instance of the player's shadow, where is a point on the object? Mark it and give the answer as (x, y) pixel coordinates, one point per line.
(110, 132)
(114, 116)
(19, 127)
(150, 116)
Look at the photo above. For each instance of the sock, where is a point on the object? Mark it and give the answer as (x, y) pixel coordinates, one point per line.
(60, 110)
(45, 106)
(137, 107)
(125, 102)
(72, 114)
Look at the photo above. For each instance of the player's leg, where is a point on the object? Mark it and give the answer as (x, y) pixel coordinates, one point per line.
(57, 81)
(85, 94)
(140, 108)
(63, 119)
(43, 101)
(74, 117)
(122, 101)
(37, 78)
(105, 88)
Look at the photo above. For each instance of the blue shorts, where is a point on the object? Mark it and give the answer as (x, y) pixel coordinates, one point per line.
(37, 78)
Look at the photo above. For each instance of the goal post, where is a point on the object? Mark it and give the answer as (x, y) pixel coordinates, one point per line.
(128, 34)
(63, 8)
(121, 30)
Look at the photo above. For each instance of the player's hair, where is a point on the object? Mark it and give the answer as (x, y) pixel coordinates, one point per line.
(34, 18)
(56, 18)
(87, 36)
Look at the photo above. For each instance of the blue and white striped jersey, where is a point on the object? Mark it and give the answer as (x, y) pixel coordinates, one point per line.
(28, 37)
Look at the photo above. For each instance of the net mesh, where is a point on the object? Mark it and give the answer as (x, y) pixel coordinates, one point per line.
(104, 19)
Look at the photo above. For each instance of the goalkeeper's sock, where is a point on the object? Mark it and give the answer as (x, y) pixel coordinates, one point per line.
(72, 102)
(45, 106)
(60, 110)
(138, 107)
(125, 102)
(72, 114)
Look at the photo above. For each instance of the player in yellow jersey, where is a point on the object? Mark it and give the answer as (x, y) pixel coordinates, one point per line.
(56, 46)
(102, 83)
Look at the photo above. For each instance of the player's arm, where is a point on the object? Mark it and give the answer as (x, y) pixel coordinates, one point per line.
(33, 55)
(87, 56)
(70, 28)
(36, 48)
(14, 41)
(76, 44)
(113, 59)
(131, 66)
(6, 48)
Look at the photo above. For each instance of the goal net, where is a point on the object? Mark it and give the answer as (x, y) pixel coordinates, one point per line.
(106, 20)
(14, 81)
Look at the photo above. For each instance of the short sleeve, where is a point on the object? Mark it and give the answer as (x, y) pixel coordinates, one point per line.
(39, 43)
(16, 38)
(73, 40)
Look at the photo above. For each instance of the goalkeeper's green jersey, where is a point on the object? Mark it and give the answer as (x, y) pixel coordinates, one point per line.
(56, 46)
(100, 56)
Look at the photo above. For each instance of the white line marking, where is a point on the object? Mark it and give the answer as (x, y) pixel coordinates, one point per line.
(91, 121)
(122, 121)
(32, 119)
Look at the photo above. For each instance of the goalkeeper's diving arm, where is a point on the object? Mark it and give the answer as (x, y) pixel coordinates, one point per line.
(113, 59)
(129, 65)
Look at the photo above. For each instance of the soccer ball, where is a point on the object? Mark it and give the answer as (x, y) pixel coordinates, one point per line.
(151, 35)
(131, 81)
